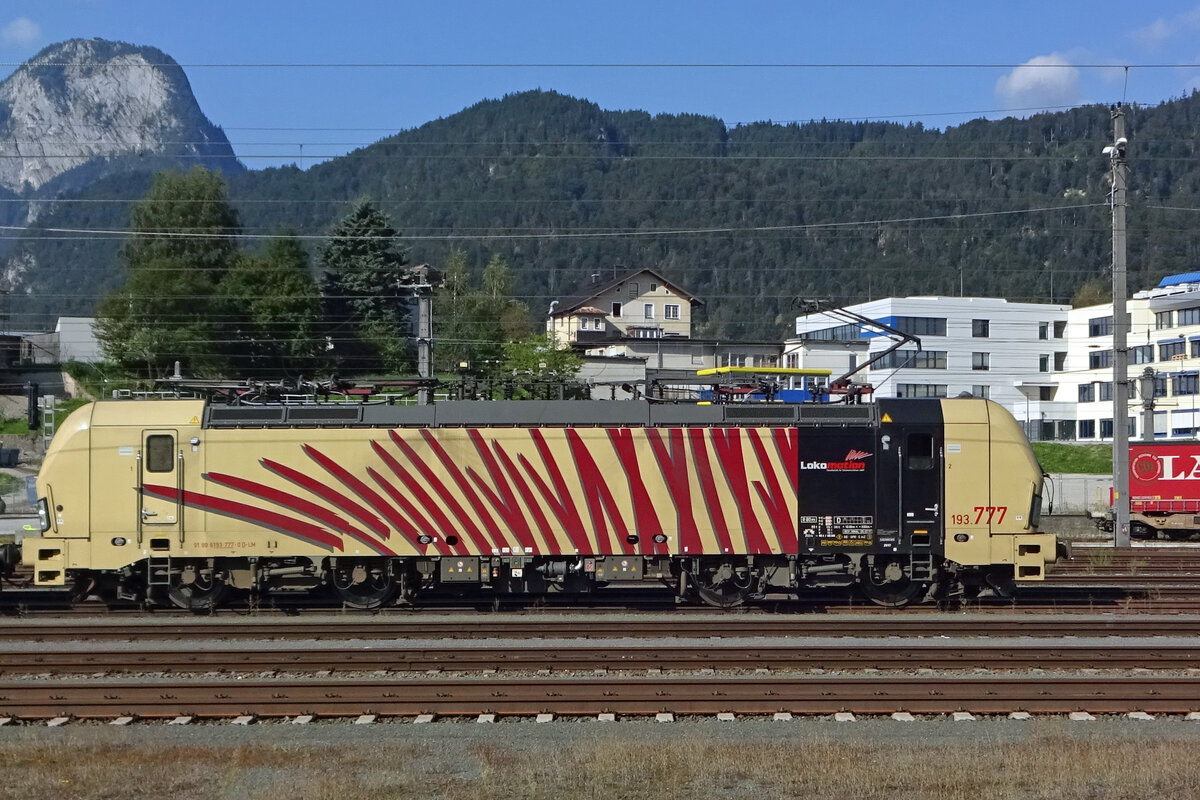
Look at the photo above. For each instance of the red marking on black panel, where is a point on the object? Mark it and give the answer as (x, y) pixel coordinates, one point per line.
(329, 494)
(787, 440)
(646, 520)
(502, 497)
(559, 500)
(445, 494)
(294, 503)
(468, 491)
(674, 466)
(773, 496)
(599, 498)
(442, 526)
(289, 526)
(708, 486)
(727, 444)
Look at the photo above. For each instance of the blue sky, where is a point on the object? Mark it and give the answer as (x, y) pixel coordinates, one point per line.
(273, 113)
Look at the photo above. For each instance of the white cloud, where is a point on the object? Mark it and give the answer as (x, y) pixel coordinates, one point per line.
(1153, 35)
(21, 32)
(1163, 29)
(1041, 82)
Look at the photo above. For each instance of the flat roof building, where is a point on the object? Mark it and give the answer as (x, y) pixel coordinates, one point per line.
(988, 347)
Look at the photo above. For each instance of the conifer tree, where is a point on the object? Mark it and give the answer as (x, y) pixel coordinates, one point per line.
(365, 286)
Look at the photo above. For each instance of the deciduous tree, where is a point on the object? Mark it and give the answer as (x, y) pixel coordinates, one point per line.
(539, 358)
(275, 311)
(182, 243)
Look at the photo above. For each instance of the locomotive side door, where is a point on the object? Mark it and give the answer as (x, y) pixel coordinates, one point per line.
(160, 488)
(920, 487)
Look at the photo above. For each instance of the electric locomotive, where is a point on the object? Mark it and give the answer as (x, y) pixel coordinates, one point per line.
(184, 501)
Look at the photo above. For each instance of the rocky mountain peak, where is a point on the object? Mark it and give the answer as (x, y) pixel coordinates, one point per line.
(80, 109)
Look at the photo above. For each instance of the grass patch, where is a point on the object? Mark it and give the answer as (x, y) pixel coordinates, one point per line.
(1099, 558)
(19, 426)
(1094, 459)
(62, 408)
(613, 767)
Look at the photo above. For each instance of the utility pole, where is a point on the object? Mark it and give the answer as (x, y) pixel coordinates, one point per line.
(1120, 326)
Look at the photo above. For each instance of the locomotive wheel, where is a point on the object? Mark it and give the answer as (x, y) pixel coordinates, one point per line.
(363, 583)
(885, 583)
(719, 584)
(196, 586)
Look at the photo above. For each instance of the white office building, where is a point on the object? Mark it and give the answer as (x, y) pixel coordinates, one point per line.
(1013, 353)
(1164, 338)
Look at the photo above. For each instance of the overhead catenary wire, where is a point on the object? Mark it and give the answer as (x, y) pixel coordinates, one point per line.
(632, 233)
(670, 65)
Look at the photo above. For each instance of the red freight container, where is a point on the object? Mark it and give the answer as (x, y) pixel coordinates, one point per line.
(1164, 488)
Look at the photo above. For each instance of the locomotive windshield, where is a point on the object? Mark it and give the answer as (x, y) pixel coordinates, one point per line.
(1035, 511)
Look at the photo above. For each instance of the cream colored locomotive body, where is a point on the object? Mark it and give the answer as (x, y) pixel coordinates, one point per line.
(195, 500)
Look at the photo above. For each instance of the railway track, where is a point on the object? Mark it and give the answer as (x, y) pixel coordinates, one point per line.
(1079, 590)
(733, 656)
(593, 695)
(747, 663)
(565, 626)
(1164, 578)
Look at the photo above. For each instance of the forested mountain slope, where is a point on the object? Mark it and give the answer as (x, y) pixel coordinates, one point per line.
(748, 217)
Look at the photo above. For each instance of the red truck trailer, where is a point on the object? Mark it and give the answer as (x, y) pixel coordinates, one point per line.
(1164, 489)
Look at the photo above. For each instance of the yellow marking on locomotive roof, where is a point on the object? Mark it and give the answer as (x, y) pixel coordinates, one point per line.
(763, 371)
(886, 417)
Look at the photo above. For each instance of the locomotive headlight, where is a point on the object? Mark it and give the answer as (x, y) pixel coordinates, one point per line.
(44, 514)
(961, 537)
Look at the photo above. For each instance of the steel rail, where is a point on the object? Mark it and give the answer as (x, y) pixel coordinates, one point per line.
(567, 626)
(905, 655)
(574, 696)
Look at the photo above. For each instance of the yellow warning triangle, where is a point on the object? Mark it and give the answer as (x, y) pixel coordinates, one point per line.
(886, 417)
(195, 421)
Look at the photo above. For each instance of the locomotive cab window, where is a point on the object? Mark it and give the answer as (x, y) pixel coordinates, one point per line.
(920, 451)
(160, 453)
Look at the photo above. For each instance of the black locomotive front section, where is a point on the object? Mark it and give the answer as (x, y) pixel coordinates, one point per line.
(876, 488)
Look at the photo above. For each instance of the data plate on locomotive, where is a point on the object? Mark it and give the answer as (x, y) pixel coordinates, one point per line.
(838, 531)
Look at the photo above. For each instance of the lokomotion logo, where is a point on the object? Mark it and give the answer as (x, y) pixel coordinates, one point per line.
(853, 462)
